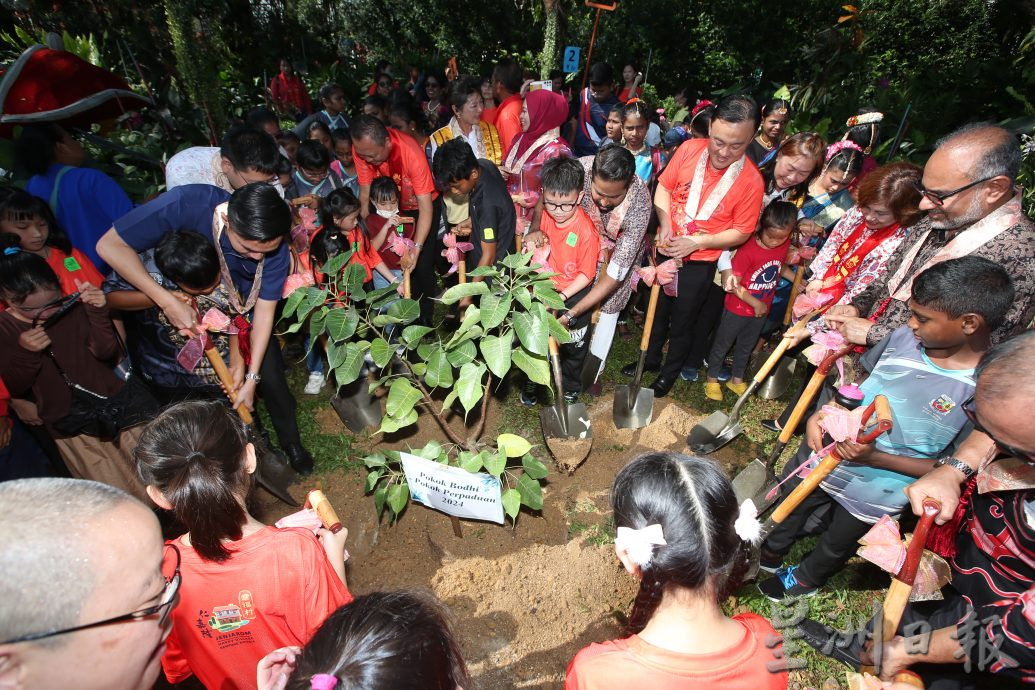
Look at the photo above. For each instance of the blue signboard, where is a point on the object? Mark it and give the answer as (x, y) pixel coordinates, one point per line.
(572, 58)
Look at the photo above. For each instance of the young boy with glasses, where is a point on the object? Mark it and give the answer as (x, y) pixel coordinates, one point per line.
(574, 249)
(926, 371)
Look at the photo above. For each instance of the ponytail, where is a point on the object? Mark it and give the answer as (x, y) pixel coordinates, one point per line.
(193, 453)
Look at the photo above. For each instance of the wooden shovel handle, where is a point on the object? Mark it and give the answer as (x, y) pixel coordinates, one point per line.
(555, 349)
(902, 585)
(216, 360)
(773, 359)
(806, 487)
(462, 270)
(406, 284)
(648, 320)
(600, 274)
(884, 423)
(794, 294)
(809, 393)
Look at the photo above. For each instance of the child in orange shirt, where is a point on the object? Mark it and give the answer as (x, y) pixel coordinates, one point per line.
(574, 252)
(680, 535)
(247, 588)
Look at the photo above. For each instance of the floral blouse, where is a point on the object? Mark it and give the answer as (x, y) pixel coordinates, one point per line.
(527, 182)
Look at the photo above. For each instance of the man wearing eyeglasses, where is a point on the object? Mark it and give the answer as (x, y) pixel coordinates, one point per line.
(973, 207)
(85, 592)
(986, 622)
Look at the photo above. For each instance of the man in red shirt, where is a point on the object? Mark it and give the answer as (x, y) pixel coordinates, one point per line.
(378, 151)
(708, 199)
(288, 92)
(506, 86)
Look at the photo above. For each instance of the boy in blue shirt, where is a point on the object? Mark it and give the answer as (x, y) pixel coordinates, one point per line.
(926, 371)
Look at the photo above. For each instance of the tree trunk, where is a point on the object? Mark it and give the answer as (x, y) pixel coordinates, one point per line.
(548, 58)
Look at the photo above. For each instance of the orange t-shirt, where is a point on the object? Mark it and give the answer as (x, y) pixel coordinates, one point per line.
(574, 249)
(738, 210)
(274, 591)
(633, 663)
(508, 121)
(72, 268)
(406, 164)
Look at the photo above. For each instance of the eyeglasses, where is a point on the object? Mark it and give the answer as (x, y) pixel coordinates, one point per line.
(938, 198)
(563, 208)
(970, 410)
(161, 609)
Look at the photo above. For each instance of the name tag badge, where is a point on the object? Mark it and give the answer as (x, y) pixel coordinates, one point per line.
(71, 264)
(489, 234)
(572, 239)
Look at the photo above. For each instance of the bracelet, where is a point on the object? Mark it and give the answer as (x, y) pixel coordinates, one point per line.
(418, 245)
(966, 470)
(252, 377)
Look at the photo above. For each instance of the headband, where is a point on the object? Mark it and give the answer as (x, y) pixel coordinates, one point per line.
(864, 119)
(701, 105)
(839, 146)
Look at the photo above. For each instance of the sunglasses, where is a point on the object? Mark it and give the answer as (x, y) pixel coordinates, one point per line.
(970, 410)
(162, 609)
(938, 198)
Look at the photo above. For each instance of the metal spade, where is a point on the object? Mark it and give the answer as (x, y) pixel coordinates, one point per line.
(633, 406)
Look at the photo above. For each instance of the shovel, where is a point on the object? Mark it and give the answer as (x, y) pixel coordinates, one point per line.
(718, 429)
(566, 428)
(633, 406)
(781, 378)
(270, 474)
(591, 366)
(821, 471)
(757, 479)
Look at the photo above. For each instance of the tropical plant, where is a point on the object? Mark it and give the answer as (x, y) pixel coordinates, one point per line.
(507, 325)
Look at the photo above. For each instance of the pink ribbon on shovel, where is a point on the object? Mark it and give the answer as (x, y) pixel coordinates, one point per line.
(823, 343)
(664, 274)
(454, 250)
(400, 245)
(539, 259)
(214, 320)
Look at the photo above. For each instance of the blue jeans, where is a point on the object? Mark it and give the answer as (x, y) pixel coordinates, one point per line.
(381, 282)
(314, 356)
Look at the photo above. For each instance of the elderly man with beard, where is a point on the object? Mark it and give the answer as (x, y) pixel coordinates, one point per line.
(973, 207)
(619, 205)
(986, 622)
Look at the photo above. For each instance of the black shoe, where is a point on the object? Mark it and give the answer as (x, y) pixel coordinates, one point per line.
(768, 562)
(662, 385)
(300, 459)
(828, 642)
(571, 397)
(771, 425)
(530, 394)
(630, 368)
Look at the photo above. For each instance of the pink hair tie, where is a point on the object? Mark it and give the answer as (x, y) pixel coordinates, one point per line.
(839, 146)
(323, 681)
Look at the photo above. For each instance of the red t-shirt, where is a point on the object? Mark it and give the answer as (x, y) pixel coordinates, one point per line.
(374, 225)
(72, 268)
(758, 268)
(633, 663)
(363, 252)
(574, 249)
(274, 591)
(738, 210)
(406, 164)
(508, 121)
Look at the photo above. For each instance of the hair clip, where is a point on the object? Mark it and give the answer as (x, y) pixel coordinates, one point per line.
(639, 543)
(701, 105)
(323, 681)
(747, 525)
(11, 251)
(864, 119)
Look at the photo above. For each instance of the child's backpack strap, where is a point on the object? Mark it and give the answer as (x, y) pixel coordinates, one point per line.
(53, 202)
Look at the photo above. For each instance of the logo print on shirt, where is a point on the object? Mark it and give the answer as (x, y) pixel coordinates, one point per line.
(233, 616)
(943, 404)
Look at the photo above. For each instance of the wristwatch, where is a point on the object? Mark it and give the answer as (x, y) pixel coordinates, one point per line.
(571, 319)
(956, 463)
(252, 377)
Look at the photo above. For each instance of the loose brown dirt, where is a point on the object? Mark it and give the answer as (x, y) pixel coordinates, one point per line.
(526, 598)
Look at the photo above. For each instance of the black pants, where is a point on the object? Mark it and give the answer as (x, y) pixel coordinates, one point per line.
(737, 332)
(705, 326)
(275, 393)
(837, 544)
(573, 352)
(424, 278)
(676, 318)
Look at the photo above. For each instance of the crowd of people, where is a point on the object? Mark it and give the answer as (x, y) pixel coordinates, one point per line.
(137, 339)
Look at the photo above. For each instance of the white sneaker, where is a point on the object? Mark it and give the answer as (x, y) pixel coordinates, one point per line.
(315, 384)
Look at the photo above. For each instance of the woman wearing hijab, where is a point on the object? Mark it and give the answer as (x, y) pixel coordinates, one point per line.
(542, 115)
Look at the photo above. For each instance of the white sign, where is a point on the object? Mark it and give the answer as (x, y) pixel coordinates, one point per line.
(453, 490)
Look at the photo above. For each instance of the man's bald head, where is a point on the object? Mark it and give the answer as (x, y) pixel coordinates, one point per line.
(1005, 390)
(984, 150)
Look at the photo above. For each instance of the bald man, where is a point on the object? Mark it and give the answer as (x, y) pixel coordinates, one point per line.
(77, 558)
(973, 207)
(986, 622)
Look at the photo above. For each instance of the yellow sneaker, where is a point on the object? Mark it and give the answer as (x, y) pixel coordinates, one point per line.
(713, 391)
(737, 388)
